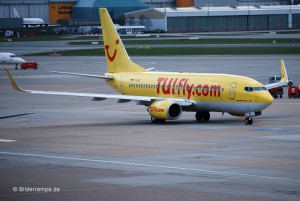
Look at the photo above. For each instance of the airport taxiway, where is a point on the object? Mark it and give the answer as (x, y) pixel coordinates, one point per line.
(32, 47)
(101, 150)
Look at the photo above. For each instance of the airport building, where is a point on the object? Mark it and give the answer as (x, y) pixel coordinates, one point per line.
(89, 9)
(48, 10)
(219, 19)
(166, 15)
(53, 10)
(160, 3)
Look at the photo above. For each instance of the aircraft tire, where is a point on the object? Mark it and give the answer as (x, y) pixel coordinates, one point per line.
(153, 120)
(248, 121)
(157, 121)
(161, 121)
(199, 116)
(206, 116)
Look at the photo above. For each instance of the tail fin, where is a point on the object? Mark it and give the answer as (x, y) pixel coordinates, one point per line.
(16, 14)
(117, 59)
(284, 76)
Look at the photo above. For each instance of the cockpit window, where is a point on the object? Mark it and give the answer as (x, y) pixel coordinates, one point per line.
(12, 55)
(250, 89)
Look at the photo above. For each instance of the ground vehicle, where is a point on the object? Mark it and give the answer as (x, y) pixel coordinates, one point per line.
(9, 33)
(275, 92)
(294, 91)
(26, 65)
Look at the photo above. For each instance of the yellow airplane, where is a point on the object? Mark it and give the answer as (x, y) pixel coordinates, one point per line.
(168, 94)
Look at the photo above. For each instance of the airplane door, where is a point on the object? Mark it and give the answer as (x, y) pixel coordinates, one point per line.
(232, 91)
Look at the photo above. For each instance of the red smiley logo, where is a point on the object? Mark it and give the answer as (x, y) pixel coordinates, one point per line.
(111, 58)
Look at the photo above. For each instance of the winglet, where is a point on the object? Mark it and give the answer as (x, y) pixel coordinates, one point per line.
(12, 81)
(284, 76)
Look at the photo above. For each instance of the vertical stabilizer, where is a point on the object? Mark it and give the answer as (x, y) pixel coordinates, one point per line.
(117, 59)
(284, 76)
(16, 14)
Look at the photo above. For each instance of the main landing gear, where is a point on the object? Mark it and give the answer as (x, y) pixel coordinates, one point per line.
(157, 121)
(205, 116)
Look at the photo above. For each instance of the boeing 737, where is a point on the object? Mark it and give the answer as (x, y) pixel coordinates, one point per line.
(167, 95)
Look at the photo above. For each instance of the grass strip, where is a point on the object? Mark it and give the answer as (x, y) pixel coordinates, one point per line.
(198, 41)
(169, 51)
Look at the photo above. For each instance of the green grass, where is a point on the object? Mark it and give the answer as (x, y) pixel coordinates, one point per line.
(184, 51)
(51, 38)
(71, 37)
(199, 41)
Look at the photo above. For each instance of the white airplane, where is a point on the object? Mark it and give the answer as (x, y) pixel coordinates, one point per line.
(9, 58)
(30, 21)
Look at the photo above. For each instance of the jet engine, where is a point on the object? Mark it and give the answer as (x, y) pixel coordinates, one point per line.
(165, 110)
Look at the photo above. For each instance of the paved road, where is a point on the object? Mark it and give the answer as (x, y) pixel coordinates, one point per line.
(91, 150)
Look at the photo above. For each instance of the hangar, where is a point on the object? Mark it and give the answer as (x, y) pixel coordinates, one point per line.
(219, 19)
(49, 10)
(53, 10)
(89, 9)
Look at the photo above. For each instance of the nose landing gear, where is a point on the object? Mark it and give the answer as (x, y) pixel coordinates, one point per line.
(248, 121)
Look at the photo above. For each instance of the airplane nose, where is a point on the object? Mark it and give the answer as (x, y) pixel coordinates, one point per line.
(21, 60)
(267, 98)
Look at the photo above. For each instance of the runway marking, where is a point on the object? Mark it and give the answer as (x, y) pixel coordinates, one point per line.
(150, 165)
(4, 140)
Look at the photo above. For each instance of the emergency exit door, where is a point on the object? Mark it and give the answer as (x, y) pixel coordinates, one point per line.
(232, 91)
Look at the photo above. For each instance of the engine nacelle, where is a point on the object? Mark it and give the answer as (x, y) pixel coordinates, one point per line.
(166, 110)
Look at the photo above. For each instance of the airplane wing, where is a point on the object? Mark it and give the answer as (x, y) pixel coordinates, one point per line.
(15, 115)
(284, 78)
(84, 75)
(146, 100)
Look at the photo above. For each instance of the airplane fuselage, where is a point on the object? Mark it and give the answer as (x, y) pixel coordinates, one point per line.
(210, 92)
(9, 58)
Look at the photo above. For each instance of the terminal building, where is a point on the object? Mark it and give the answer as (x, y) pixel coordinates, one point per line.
(220, 19)
(167, 15)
